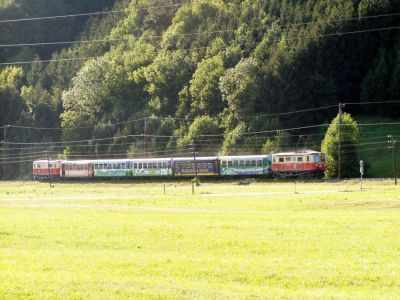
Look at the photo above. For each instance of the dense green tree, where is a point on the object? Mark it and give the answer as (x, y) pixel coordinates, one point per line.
(349, 137)
(200, 128)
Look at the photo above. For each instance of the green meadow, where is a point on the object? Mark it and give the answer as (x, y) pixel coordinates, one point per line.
(230, 240)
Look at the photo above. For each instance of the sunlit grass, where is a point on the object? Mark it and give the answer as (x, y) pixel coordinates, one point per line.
(229, 240)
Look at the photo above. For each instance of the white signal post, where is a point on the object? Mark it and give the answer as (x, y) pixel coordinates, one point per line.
(361, 174)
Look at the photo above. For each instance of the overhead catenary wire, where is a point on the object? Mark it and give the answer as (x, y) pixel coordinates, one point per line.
(202, 135)
(112, 124)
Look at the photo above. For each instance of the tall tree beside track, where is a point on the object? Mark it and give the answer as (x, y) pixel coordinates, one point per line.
(349, 136)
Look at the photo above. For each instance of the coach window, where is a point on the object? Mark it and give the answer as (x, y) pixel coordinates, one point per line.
(281, 159)
(300, 159)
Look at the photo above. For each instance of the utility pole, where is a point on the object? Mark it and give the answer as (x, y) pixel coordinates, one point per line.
(144, 137)
(195, 161)
(341, 105)
(392, 143)
(5, 150)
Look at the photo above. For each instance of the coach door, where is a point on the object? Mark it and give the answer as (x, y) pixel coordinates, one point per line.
(62, 170)
(90, 170)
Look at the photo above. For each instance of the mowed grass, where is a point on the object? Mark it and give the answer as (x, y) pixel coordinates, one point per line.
(228, 241)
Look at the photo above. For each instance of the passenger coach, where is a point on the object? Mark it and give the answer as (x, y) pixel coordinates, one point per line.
(186, 166)
(245, 165)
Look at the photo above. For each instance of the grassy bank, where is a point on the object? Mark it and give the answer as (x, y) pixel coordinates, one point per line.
(104, 240)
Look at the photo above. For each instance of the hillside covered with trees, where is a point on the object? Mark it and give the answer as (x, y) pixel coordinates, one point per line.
(155, 77)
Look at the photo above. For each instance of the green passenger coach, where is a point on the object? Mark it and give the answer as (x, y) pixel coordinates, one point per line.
(112, 168)
(151, 167)
(245, 165)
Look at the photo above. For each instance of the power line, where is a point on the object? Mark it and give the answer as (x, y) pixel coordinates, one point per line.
(205, 47)
(158, 136)
(86, 14)
(109, 124)
(183, 34)
(290, 112)
(176, 35)
(201, 135)
(372, 102)
(186, 34)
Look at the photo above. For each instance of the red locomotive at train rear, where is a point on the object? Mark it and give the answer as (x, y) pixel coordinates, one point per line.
(44, 169)
(299, 164)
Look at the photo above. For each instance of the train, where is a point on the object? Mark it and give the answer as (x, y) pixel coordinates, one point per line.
(298, 164)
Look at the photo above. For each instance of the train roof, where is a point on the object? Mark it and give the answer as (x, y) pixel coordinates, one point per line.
(150, 159)
(41, 161)
(197, 158)
(295, 153)
(243, 157)
(77, 162)
(97, 161)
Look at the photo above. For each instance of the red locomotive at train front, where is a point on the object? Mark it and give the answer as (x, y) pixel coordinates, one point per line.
(299, 164)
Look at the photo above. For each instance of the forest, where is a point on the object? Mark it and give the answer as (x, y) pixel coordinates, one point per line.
(163, 77)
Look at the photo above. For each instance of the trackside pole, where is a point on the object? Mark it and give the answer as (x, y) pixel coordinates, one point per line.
(361, 174)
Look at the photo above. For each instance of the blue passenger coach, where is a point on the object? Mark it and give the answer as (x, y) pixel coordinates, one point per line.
(206, 166)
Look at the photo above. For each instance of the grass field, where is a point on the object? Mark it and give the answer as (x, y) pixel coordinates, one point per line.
(229, 241)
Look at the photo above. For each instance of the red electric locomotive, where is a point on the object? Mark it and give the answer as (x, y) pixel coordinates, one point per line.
(46, 169)
(299, 164)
